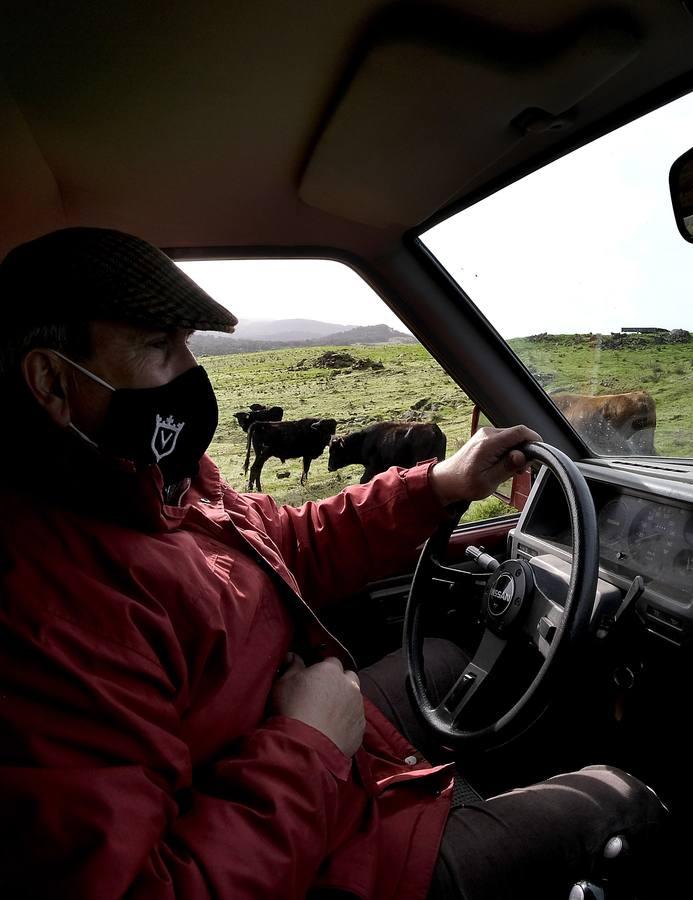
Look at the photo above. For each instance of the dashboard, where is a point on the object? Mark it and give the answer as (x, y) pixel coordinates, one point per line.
(645, 520)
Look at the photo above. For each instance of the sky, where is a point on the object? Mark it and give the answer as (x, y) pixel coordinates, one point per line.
(588, 243)
(319, 289)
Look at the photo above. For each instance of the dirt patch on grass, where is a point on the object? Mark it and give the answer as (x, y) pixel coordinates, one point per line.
(340, 359)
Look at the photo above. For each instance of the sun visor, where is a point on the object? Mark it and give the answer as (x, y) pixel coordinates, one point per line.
(422, 115)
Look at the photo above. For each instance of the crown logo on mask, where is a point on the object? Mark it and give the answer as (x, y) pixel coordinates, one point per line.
(165, 436)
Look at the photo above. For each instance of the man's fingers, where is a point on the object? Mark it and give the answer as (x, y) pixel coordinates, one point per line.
(517, 434)
(515, 461)
(334, 661)
(292, 664)
(352, 676)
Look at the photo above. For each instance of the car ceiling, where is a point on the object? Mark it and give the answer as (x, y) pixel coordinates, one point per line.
(321, 124)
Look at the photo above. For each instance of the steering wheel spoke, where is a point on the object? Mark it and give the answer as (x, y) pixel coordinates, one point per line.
(473, 676)
(544, 617)
(458, 577)
(465, 585)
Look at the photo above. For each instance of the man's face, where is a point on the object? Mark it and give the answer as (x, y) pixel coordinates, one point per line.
(125, 356)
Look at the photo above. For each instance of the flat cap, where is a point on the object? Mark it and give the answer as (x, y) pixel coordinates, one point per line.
(89, 274)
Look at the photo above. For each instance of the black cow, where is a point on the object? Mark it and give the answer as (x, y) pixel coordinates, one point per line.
(287, 440)
(386, 444)
(258, 413)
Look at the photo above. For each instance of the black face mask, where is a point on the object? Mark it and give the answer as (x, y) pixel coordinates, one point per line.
(170, 426)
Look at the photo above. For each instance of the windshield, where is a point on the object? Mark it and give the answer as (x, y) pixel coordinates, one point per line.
(581, 268)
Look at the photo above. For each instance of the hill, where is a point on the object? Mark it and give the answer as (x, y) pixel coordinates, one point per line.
(214, 343)
(368, 334)
(286, 329)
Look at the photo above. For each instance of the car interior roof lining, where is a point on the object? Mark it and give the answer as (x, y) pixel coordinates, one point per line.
(200, 130)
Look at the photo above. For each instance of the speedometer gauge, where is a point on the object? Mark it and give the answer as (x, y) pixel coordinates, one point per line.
(688, 531)
(683, 563)
(651, 537)
(613, 521)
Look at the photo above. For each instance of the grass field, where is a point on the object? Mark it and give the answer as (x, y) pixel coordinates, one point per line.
(581, 364)
(410, 377)
(289, 378)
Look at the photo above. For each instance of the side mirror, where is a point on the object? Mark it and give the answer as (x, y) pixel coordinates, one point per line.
(516, 490)
(681, 187)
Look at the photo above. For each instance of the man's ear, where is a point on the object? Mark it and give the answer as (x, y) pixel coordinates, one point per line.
(46, 378)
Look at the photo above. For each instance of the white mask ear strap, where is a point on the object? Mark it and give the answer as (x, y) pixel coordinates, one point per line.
(82, 434)
(84, 371)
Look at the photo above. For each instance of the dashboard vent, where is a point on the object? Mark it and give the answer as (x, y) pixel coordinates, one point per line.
(686, 470)
(664, 625)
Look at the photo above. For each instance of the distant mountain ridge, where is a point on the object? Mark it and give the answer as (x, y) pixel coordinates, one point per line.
(215, 343)
(286, 329)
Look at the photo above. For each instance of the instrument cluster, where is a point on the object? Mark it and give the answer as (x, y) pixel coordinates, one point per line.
(638, 534)
(654, 538)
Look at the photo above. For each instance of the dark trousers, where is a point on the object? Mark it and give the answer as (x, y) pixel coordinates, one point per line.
(531, 843)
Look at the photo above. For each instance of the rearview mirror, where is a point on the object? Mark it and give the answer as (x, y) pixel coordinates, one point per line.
(681, 187)
(513, 491)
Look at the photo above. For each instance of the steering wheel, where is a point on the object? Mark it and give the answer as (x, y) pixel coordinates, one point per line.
(514, 607)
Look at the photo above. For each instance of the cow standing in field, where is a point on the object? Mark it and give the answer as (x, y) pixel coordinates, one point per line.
(386, 444)
(305, 438)
(258, 413)
(612, 423)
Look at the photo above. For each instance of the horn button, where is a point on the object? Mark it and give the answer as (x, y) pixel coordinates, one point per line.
(507, 596)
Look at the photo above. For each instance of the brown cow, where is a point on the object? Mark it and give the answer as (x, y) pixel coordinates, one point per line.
(612, 423)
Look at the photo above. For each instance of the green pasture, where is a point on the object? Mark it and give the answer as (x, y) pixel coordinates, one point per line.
(581, 364)
(289, 378)
(411, 378)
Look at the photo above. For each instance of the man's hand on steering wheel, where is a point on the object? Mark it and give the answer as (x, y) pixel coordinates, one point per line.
(486, 460)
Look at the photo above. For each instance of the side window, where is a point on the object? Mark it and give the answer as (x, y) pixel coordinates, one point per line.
(505, 501)
(499, 504)
(314, 341)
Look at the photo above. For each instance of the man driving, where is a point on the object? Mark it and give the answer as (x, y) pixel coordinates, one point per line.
(176, 721)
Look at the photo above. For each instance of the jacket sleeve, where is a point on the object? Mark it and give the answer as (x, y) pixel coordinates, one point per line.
(334, 547)
(96, 781)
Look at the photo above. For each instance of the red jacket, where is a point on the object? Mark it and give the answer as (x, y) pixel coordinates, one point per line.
(136, 754)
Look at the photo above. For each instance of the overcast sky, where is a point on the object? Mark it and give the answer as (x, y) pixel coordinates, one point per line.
(292, 289)
(586, 244)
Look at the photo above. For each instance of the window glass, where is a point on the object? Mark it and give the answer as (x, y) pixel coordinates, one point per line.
(581, 268)
(314, 339)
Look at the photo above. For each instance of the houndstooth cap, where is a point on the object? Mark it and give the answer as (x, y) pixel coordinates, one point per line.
(90, 274)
